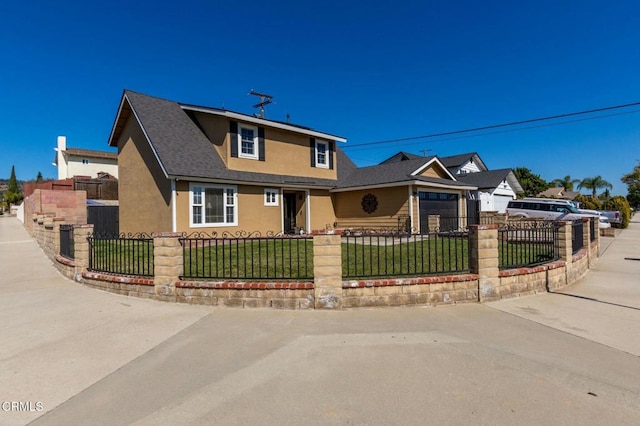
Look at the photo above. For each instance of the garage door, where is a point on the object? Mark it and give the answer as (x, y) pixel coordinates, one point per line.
(443, 204)
(500, 202)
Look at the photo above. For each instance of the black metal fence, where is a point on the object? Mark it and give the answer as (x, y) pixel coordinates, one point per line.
(527, 244)
(577, 233)
(376, 255)
(594, 226)
(66, 241)
(461, 223)
(130, 254)
(245, 256)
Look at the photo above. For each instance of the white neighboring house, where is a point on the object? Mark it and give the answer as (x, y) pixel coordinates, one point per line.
(83, 162)
(495, 187)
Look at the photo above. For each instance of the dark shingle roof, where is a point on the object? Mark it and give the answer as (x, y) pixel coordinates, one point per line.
(401, 156)
(184, 151)
(80, 152)
(457, 160)
(490, 179)
(394, 172)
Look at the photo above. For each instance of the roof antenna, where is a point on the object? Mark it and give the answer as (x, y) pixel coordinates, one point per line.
(264, 100)
(424, 151)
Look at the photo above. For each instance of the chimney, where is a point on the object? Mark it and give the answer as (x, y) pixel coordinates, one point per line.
(62, 143)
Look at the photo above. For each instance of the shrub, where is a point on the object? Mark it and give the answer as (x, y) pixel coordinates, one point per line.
(588, 202)
(621, 204)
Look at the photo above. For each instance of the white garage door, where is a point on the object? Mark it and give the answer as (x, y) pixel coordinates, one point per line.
(500, 202)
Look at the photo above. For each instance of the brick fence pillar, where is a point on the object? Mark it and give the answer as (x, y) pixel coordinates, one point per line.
(167, 264)
(327, 271)
(483, 260)
(81, 249)
(564, 242)
(433, 222)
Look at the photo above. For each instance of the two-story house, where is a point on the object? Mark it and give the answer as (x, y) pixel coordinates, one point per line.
(187, 168)
(83, 162)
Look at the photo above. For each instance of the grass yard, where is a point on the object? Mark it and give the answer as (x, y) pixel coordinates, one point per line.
(122, 256)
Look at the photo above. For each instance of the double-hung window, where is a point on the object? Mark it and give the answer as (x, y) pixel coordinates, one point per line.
(271, 197)
(248, 141)
(322, 154)
(213, 205)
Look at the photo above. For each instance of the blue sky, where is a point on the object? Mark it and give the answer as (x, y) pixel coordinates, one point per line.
(364, 70)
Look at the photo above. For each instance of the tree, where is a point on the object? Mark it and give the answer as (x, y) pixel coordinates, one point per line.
(588, 202)
(13, 194)
(566, 182)
(632, 180)
(594, 184)
(620, 204)
(532, 184)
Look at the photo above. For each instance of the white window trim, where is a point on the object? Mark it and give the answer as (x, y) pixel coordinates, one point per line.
(255, 141)
(277, 194)
(324, 165)
(217, 224)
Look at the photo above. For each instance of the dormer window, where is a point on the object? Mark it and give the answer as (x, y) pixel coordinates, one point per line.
(321, 154)
(248, 141)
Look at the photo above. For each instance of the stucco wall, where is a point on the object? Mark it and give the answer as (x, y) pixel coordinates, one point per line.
(144, 192)
(391, 203)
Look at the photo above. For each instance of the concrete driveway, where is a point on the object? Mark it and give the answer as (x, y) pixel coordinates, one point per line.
(90, 357)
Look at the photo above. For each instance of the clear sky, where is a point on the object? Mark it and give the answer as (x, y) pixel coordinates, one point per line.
(365, 70)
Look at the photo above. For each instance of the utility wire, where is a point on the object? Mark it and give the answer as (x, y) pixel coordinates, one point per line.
(495, 126)
(361, 146)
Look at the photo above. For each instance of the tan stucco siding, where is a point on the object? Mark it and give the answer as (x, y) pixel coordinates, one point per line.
(217, 130)
(144, 192)
(435, 171)
(286, 153)
(392, 203)
(322, 210)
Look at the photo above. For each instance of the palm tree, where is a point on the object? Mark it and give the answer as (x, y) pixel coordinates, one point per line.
(566, 183)
(594, 184)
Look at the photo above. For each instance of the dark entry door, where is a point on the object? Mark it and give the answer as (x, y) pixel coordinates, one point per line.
(438, 203)
(104, 219)
(289, 212)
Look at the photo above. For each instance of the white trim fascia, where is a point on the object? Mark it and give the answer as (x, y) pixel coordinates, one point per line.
(307, 225)
(411, 206)
(428, 163)
(155, 154)
(115, 123)
(263, 122)
(174, 220)
(284, 185)
(395, 184)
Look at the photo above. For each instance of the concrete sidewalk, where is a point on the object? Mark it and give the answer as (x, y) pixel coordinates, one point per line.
(59, 337)
(91, 357)
(604, 306)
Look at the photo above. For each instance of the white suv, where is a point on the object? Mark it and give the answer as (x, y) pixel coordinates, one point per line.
(545, 208)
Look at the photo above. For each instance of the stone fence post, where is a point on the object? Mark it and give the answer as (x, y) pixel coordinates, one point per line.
(564, 242)
(433, 222)
(327, 271)
(81, 249)
(167, 264)
(484, 261)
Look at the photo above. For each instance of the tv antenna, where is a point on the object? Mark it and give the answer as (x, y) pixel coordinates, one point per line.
(264, 100)
(424, 151)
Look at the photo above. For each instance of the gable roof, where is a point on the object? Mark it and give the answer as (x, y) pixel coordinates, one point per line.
(491, 179)
(401, 156)
(397, 173)
(183, 150)
(458, 160)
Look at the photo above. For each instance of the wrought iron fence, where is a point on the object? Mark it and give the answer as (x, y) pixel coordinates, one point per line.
(66, 241)
(594, 226)
(124, 254)
(462, 223)
(577, 232)
(527, 244)
(374, 254)
(247, 256)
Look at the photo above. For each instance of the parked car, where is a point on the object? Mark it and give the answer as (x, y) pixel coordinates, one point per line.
(603, 221)
(546, 208)
(613, 215)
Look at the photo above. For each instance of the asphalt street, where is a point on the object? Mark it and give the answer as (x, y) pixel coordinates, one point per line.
(76, 355)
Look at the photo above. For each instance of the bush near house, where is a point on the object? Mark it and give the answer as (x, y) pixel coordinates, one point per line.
(620, 204)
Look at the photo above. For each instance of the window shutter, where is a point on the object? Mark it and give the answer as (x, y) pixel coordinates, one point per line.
(330, 154)
(312, 143)
(261, 143)
(233, 137)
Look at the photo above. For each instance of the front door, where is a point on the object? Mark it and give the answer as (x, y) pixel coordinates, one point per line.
(289, 200)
